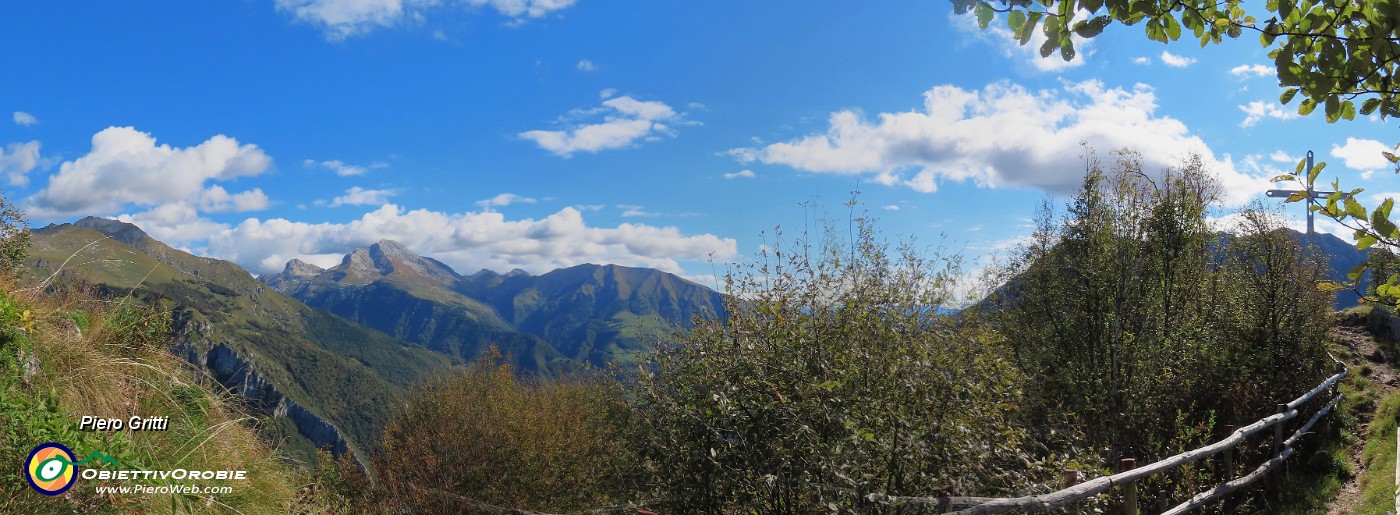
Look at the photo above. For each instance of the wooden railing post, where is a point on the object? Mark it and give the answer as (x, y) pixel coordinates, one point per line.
(1069, 477)
(1130, 500)
(1278, 430)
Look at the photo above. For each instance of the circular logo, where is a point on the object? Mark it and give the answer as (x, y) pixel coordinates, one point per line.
(50, 469)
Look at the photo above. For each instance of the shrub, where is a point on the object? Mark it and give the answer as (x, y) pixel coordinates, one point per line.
(484, 435)
(832, 377)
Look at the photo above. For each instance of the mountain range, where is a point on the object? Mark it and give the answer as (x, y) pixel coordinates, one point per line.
(325, 354)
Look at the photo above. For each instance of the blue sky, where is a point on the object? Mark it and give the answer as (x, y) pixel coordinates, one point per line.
(546, 133)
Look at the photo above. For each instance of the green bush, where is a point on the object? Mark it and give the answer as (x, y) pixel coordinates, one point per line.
(832, 378)
(1151, 332)
(485, 436)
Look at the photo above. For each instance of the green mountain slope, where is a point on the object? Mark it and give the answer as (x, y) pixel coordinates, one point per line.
(549, 323)
(325, 380)
(598, 312)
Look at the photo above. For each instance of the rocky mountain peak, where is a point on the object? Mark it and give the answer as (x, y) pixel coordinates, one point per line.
(301, 270)
(118, 230)
(387, 256)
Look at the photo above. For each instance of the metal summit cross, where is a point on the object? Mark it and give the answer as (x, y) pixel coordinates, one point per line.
(1312, 194)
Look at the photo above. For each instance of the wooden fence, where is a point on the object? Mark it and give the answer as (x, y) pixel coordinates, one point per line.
(1127, 479)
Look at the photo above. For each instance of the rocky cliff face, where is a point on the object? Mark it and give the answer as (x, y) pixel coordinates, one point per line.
(238, 375)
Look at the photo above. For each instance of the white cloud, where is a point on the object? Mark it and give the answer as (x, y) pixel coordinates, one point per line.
(215, 199)
(1377, 198)
(1176, 61)
(504, 199)
(17, 160)
(1363, 155)
(587, 66)
(1001, 136)
(1283, 157)
(626, 120)
(1000, 37)
(25, 119)
(340, 19)
(176, 224)
(126, 166)
(357, 196)
(746, 174)
(1258, 110)
(1248, 70)
(1142, 60)
(340, 168)
(633, 210)
(589, 207)
(890, 207)
(465, 241)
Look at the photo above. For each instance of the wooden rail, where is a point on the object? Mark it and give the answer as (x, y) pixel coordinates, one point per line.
(1100, 485)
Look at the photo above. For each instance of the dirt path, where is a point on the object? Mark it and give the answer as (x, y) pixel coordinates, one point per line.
(1361, 351)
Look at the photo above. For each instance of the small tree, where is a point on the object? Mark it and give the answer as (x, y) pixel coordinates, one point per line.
(14, 236)
(832, 377)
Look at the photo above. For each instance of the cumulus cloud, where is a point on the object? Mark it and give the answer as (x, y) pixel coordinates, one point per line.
(1000, 37)
(626, 121)
(215, 199)
(1142, 60)
(25, 119)
(1001, 136)
(340, 19)
(17, 160)
(1363, 155)
(1176, 61)
(465, 241)
(587, 66)
(1256, 111)
(744, 174)
(504, 199)
(1251, 70)
(357, 196)
(126, 166)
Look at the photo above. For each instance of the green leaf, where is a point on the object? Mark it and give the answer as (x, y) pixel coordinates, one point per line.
(1333, 109)
(1296, 196)
(1283, 178)
(1331, 286)
(1306, 108)
(1369, 106)
(1287, 95)
(1173, 28)
(1317, 170)
(1356, 271)
(1015, 21)
(1365, 243)
(984, 15)
(1354, 208)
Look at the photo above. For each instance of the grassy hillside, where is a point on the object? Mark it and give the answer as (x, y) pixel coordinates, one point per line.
(268, 345)
(65, 354)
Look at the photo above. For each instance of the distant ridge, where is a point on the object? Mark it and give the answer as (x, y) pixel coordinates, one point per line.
(548, 323)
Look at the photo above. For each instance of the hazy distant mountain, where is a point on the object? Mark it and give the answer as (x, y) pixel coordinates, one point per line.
(325, 380)
(389, 288)
(548, 323)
